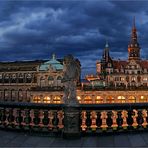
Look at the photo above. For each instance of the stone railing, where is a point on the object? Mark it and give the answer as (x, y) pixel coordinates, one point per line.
(31, 117)
(109, 117)
(73, 121)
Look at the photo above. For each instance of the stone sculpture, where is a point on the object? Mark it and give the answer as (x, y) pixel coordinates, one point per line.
(71, 75)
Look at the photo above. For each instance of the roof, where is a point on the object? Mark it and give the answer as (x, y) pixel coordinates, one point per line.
(54, 63)
(119, 64)
(144, 64)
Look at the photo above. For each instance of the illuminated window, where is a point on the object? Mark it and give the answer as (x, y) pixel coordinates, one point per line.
(79, 99)
(122, 79)
(142, 99)
(57, 100)
(131, 99)
(47, 99)
(145, 79)
(87, 100)
(36, 99)
(110, 99)
(121, 99)
(98, 100)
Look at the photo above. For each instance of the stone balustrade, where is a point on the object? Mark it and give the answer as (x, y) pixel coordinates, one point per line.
(81, 119)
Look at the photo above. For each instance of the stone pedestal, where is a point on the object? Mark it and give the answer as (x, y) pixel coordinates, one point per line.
(71, 122)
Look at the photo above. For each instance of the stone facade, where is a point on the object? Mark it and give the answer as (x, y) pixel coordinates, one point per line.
(132, 72)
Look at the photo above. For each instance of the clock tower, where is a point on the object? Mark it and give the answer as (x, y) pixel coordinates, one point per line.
(133, 47)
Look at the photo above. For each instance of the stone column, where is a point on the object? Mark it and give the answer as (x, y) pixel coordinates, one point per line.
(71, 122)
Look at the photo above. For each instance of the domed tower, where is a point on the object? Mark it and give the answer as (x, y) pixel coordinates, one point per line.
(133, 47)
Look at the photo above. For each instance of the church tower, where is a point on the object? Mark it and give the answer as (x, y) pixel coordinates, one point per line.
(133, 47)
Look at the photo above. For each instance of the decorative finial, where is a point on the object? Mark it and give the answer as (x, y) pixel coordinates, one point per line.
(53, 56)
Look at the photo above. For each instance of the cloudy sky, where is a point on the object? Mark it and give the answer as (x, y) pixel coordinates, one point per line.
(32, 30)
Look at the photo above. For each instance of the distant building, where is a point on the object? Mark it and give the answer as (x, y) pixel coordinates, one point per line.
(132, 72)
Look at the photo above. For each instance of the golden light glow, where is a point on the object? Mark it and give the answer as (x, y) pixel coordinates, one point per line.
(131, 99)
(99, 99)
(57, 100)
(79, 99)
(121, 99)
(87, 100)
(47, 99)
(37, 99)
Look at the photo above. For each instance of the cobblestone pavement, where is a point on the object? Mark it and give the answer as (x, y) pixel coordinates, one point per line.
(17, 139)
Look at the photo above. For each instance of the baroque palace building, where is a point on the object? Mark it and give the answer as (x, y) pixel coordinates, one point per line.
(116, 81)
(124, 73)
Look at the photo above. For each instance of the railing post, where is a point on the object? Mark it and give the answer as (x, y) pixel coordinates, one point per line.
(71, 122)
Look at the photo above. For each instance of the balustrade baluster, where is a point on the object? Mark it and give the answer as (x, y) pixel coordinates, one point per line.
(60, 117)
(32, 118)
(144, 115)
(15, 114)
(1, 110)
(27, 118)
(124, 117)
(41, 116)
(135, 124)
(7, 116)
(10, 118)
(83, 117)
(93, 120)
(104, 118)
(50, 116)
(114, 120)
(45, 119)
(23, 118)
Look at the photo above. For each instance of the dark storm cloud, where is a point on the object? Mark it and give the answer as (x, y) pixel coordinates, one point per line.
(36, 29)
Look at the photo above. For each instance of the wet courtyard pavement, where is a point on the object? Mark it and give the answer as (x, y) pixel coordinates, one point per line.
(18, 139)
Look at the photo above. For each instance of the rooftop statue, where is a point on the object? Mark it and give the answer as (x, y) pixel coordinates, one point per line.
(71, 75)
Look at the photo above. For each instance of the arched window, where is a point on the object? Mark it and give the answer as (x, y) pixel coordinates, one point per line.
(87, 100)
(6, 78)
(6, 95)
(13, 78)
(50, 80)
(42, 82)
(142, 99)
(57, 100)
(1, 78)
(98, 100)
(36, 99)
(121, 99)
(79, 99)
(20, 95)
(28, 97)
(47, 99)
(13, 95)
(28, 78)
(110, 99)
(59, 78)
(21, 78)
(131, 99)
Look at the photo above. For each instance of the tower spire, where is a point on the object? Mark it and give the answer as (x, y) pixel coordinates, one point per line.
(133, 47)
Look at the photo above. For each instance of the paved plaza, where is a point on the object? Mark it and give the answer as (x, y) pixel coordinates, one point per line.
(18, 139)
